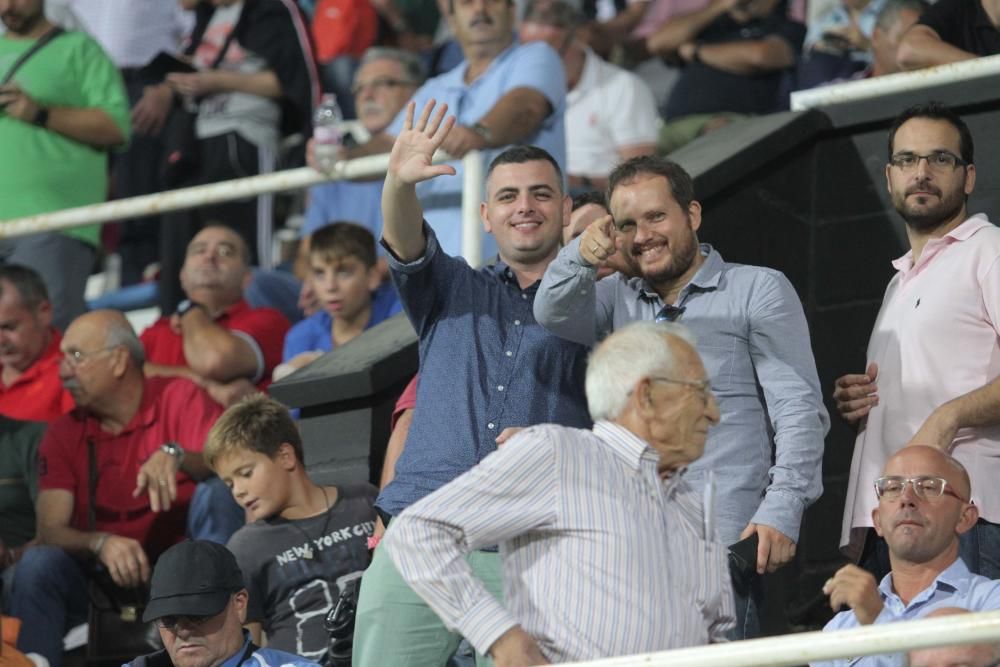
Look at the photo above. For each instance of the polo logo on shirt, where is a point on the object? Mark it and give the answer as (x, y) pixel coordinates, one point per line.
(917, 304)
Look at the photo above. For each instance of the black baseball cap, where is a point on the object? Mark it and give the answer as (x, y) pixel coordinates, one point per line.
(193, 578)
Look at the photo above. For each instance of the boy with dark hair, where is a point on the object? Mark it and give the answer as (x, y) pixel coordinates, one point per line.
(348, 286)
(304, 541)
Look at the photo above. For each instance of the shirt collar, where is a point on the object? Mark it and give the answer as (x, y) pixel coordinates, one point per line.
(588, 77)
(501, 270)
(455, 77)
(706, 278)
(625, 444)
(236, 658)
(145, 416)
(952, 578)
(237, 308)
(49, 355)
(963, 232)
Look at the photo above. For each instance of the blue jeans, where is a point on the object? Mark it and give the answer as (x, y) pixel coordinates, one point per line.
(747, 596)
(49, 593)
(980, 549)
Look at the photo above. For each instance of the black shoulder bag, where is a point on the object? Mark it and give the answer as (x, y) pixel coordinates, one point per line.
(115, 630)
(181, 148)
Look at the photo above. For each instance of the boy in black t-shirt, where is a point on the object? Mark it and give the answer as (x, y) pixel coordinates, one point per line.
(303, 538)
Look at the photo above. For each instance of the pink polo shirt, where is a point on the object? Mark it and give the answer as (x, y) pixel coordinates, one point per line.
(936, 337)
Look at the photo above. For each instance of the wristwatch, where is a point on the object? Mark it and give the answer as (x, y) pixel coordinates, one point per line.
(174, 450)
(41, 118)
(483, 131)
(185, 306)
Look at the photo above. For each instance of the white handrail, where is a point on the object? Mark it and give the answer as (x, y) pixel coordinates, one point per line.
(240, 188)
(806, 647)
(863, 89)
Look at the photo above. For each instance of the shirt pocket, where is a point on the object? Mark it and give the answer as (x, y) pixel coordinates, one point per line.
(718, 351)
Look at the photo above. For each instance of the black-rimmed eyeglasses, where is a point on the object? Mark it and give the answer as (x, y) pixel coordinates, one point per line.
(936, 160)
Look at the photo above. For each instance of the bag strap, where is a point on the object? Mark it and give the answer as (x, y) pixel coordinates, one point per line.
(35, 48)
(91, 485)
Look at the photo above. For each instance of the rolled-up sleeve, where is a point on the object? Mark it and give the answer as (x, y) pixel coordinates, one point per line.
(511, 492)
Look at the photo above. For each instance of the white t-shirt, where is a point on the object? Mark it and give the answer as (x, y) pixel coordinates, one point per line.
(610, 108)
(132, 32)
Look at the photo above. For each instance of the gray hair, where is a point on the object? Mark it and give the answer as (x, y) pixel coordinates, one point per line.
(120, 332)
(413, 67)
(630, 354)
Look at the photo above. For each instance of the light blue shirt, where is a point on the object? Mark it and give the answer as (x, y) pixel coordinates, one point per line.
(754, 340)
(838, 18)
(359, 202)
(535, 65)
(954, 587)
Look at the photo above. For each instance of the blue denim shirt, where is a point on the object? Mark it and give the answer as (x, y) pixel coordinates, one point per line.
(754, 340)
(485, 365)
(954, 587)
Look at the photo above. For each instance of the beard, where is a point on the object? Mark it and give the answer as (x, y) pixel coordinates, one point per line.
(926, 218)
(682, 255)
(21, 24)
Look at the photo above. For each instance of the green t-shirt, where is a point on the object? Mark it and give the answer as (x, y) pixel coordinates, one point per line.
(18, 479)
(40, 170)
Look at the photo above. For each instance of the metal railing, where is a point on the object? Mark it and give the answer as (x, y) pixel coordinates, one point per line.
(806, 647)
(863, 89)
(241, 188)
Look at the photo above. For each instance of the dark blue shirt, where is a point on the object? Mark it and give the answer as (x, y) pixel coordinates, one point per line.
(485, 365)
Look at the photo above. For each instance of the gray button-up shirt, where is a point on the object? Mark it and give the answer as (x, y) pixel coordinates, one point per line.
(600, 556)
(754, 341)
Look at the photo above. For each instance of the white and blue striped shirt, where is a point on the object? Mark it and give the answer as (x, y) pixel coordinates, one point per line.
(600, 557)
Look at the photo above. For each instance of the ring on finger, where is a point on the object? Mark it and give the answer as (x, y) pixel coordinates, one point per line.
(163, 482)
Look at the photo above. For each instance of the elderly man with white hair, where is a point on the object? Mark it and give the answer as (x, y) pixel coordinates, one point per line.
(606, 549)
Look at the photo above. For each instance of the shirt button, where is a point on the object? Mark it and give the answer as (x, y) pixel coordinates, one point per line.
(499, 387)
(509, 353)
(517, 323)
(491, 426)
(524, 296)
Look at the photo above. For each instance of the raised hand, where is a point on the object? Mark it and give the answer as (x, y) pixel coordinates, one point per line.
(598, 243)
(410, 159)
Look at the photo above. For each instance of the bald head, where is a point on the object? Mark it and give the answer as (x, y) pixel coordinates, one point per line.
(968, 655)
(918, 460)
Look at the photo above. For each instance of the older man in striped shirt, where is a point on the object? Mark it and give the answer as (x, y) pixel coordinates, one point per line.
(606, 549)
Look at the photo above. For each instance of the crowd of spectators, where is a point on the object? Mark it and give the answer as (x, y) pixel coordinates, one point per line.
(601, 335)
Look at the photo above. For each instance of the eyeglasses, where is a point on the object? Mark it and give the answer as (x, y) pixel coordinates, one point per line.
(704, 386)
(375, 84)
(189, 620)
(937, 160)
(74, 358)
(927, 488)
(669, 313)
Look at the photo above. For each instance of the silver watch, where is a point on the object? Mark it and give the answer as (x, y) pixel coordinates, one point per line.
(174, 450)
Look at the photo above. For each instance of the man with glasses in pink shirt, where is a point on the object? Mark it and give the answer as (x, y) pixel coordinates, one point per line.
(933, 359)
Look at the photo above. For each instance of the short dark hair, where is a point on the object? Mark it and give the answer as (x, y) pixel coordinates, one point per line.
(29, 285)
(522, 153)
(936, 111)
(595, 197)
(258, 423)
(338, 240)
(681, 185)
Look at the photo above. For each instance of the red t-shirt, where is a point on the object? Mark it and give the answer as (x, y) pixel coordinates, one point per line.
(266, 327)
(407, 400)
(38, 395)
(172, 409)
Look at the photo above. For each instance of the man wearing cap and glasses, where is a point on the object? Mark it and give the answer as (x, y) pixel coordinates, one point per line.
(199, 603)
(933, 359)
(752, 335)
(923, 507)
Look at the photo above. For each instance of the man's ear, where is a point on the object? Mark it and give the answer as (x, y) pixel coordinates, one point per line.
(968, 519)
(240, 604)
(970, 179)
(567, 211)
(482, 216)
(44, 314)
(877, 522)
(694, 214)
(247, 279)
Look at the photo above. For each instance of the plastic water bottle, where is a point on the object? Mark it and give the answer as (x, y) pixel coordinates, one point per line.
(326, 132)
